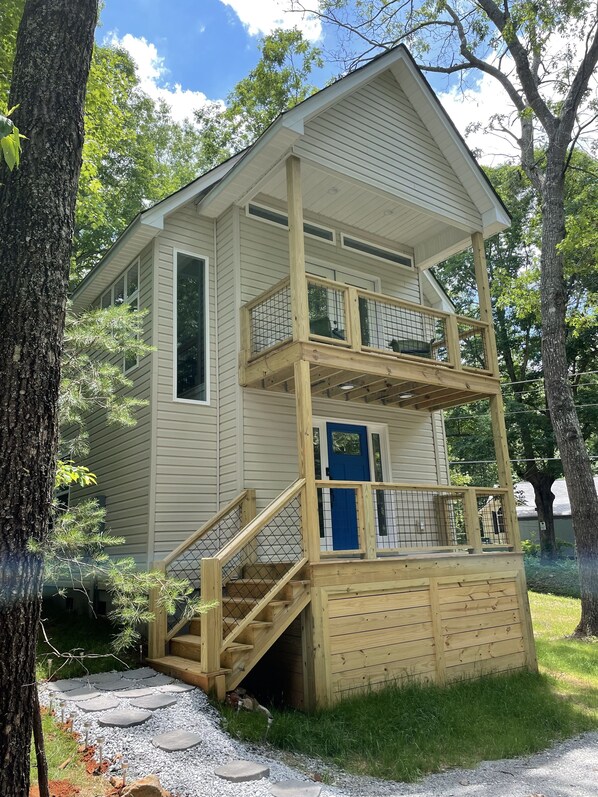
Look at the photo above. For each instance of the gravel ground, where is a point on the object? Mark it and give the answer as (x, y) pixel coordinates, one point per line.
(569, 769)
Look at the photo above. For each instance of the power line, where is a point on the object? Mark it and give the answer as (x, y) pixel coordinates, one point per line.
(493, 461)
(541, 378)
(511, 412)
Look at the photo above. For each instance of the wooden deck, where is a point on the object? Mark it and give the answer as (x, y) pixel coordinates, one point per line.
(388, 351)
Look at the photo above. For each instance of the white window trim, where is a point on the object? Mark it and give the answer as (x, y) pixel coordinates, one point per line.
(286, 226)
(175, 252)
(378, 246)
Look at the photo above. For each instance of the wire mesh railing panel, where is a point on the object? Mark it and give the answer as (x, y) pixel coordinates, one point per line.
(472, 342)
(390, 327)
(492, 516)
(270, 321)
(188, 564)
(327, 313)
(249, 574)
(418, 519)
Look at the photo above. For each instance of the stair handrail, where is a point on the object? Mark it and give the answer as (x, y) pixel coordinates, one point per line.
(158, 633)
(208, 525)
(245, 537)
(253, 528)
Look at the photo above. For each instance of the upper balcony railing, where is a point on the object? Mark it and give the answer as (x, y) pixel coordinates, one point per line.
(360, 320)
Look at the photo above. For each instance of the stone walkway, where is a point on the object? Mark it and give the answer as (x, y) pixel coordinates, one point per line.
(166, 728)
(163, 727)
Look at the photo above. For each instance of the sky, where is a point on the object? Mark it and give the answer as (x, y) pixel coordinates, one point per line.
(190, 51)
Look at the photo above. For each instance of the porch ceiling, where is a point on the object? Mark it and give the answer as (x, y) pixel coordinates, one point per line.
(350, 206)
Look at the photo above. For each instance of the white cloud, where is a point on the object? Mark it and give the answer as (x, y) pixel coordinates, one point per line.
(152, 73)
(263, 16)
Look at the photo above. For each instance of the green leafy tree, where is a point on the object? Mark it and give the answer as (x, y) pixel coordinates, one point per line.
(543, 56)
(514, 279)
(279, 81)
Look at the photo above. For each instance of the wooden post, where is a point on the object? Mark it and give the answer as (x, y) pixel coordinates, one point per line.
(472, 519)
(353, 319)
(497, 413)
(453, 344)
(211, 621)
(158, 628)
(310, 520)
(366, 505)
(248, 509)
(437, 632)
(299, 301)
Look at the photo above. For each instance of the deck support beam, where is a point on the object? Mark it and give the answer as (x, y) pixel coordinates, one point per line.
(497, 410)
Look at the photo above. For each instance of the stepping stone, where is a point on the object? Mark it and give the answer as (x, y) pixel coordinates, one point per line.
(138, 692)
(242, 771)
(115, 686)
(154, 702)
(124, 718)
(176, 740)
(102, 677)
(141, 673)
(295, 788)
(176, 688)
(65, 685)
(101, 703)
(157, 680)
(84, 693)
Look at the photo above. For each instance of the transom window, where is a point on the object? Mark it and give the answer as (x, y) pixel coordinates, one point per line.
(191, 328)
(278, 217)
(378, 252)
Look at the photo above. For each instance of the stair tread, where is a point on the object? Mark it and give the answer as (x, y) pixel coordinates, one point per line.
(237, 620)
(188, 639)
(180, 663)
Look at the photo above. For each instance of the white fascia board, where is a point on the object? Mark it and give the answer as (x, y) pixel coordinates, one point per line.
(256, 162)
(449, 140)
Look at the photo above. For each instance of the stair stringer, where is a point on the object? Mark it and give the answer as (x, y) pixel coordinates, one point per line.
(244, 664)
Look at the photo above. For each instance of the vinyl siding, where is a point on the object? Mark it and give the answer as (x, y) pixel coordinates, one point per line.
(120, 456)
(186, 433)
(376, 136)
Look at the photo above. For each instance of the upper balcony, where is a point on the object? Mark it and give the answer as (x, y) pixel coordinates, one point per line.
(366, 346)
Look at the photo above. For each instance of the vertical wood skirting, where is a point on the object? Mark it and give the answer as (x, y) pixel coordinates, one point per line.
(320, 652)
(157, 629)
(437, 632)
(526, 621)
(497, 415)
(211, 621)
(299, 302)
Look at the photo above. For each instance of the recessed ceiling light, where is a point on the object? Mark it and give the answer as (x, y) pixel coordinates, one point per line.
(389, 212)
(406, 395)
(333, 190)
(347, 386)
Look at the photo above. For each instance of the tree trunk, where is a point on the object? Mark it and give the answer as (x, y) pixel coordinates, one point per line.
(542, 484)
(561, 402)
(37, 203)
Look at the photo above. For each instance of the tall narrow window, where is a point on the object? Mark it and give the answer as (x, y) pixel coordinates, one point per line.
(191, 328)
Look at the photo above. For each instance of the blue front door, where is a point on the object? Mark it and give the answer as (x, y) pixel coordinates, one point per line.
(348, 459)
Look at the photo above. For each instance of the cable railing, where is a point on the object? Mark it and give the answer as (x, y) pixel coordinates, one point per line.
(365, 321)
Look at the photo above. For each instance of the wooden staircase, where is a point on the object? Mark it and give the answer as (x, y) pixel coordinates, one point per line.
(239, 597)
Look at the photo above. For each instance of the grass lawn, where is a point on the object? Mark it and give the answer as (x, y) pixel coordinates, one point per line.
(405, 733)
(61, 750)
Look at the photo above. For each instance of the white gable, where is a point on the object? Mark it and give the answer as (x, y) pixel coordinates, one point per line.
(376, 136)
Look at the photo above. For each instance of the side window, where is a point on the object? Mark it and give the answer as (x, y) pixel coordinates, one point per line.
(191, 328)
